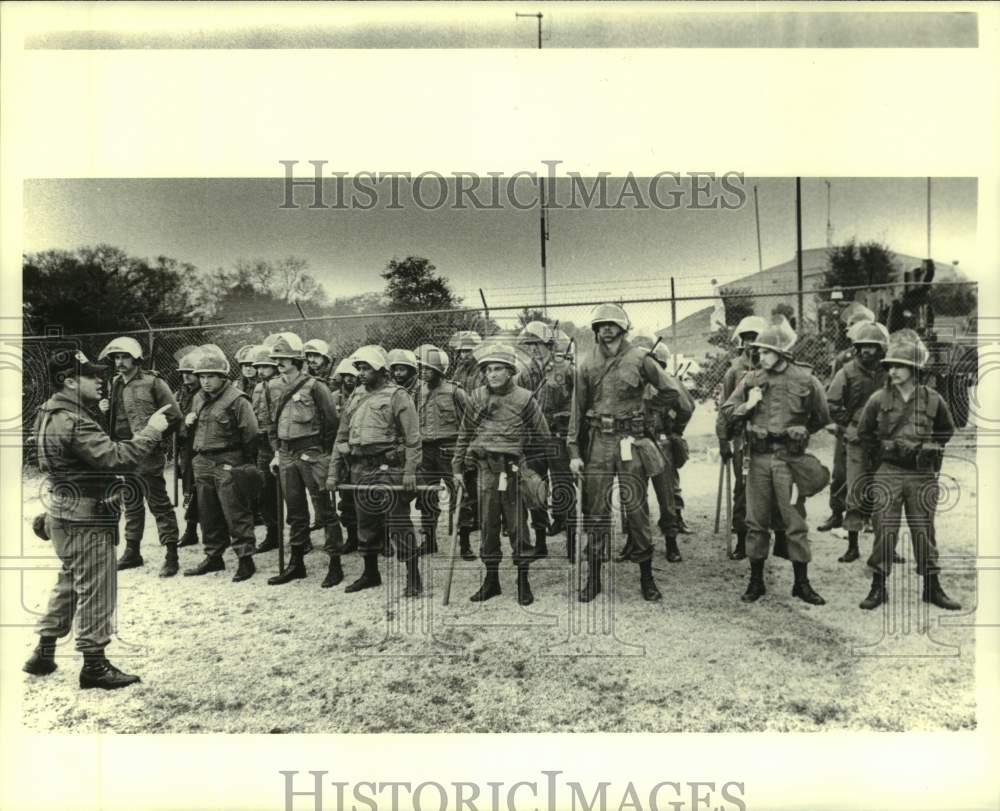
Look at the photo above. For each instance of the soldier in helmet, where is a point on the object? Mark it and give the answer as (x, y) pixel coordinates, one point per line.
(347, 376)
(135, 394)
(781, 403)
(225, 448)
(441, 407)
(854, 317)
(403, 368)
(903, 428)
(248, 372)
(378, 442)
(302, 434)
(264, 398)
(607, 437)
(467, 374)
(504, 426)
(319, 361)
(850, 389)
(551, 383)
(184, 395)
(80, 461)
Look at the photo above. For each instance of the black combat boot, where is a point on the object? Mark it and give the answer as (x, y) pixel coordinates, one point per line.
(190, 536)
(835, 520)
(170, 565)
(464, 546)
(491, 584)
(295, 570)
(852, 553)
(673, 553)
(897, 558)
(524, 595)
(43, 659)
(755, 588)
(802, 589)
(334, 573)
(258, 518)
(370, 577)
(541, 544)
(593, 585)
(935, 595)
(130, 559)
(877, 595)
(209, 564)
(557, 526)
(270, 542)
(352, 540)
(414, 588)
(740, 550)
(647, 585)
(99, 672)
(245, 569)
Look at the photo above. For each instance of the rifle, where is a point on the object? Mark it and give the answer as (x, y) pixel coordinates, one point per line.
(453, 552)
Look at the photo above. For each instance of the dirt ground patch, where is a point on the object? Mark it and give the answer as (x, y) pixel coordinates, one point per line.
(216, 656)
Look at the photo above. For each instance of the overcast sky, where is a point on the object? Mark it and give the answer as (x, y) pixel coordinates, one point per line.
(592, 254)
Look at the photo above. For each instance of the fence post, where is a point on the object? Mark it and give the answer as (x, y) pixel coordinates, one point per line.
(152, 337)
(673, 327)
(486, 308)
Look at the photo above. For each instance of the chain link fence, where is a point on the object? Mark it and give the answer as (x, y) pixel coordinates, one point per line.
(944, 314)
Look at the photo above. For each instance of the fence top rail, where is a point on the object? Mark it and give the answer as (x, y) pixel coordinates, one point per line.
(734, 290)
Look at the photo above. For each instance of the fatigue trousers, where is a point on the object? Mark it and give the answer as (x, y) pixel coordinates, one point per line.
(508, 503)
(86, 585)
(664, 493)
(554, 463)
(739, 490)
(223, 512)
(268, 500)
(382, 513)
(468, 515)
(435, 467)
(897, 489)
(147, 483)
(838, 478)
(675, 487)
(769, 490)
(188, 487)
(604, 462)
(859, 492)
(305, 472)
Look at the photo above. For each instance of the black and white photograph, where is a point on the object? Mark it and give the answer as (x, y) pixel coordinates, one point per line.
(472, 423)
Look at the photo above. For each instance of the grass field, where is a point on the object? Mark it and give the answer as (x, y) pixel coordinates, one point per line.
(221, 657)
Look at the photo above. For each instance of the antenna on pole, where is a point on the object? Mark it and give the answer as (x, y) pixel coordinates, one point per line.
(829, 224)
(928, 218)
(544, 233)
(539, 17)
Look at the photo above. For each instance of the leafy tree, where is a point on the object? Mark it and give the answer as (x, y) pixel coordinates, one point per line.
(854, 265)
(412, 284)
(954, 299)
(739, 303)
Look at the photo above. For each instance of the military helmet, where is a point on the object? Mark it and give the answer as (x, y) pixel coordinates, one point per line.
(183, 352)
(609, 314)
(242, 354)
(535, 332)
(403, 357)
(856, 312)
(287, 345)
(750, 323)
(346, 367)
(210, 359)
(130, 346)
(433, 358)
(870, 333)
(186, 361)
(464, 339)
(372, 354)
(319, 346)
(500, 353)
(643, 339)
(778, 337)
(260, 355)
(662, 353)
(906, 351)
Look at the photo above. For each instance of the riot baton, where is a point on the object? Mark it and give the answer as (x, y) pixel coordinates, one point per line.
(718, 494)
(453, 552)
(578, 557)
(279, 510)
(420, 488)
(729, 512)
(177, 468)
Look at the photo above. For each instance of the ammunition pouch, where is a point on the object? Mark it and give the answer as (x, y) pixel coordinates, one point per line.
(534, 489)
(649, 456)
(679, 452)
(248, 482)
(810, 475)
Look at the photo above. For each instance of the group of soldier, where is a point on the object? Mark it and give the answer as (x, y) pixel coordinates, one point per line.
(529, 438)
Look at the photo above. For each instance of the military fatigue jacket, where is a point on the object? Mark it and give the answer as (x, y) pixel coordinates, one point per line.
(380, 421)
(441, 410)
(791, 397)
(505, 420)
(134, 401)
(225, 421)
(852, 387)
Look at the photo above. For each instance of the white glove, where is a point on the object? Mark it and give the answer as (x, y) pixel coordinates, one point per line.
(273, 465)
(755, 396)
(576, 466)
(190, 419)
(104, 405)
(158, 421)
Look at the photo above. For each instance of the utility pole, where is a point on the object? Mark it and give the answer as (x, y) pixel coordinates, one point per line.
(798, 243)
(539, 17)
(928, 218)
(756, 211)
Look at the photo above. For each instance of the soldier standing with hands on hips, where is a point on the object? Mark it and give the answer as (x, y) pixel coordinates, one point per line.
(783, 404)
(80, 460)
